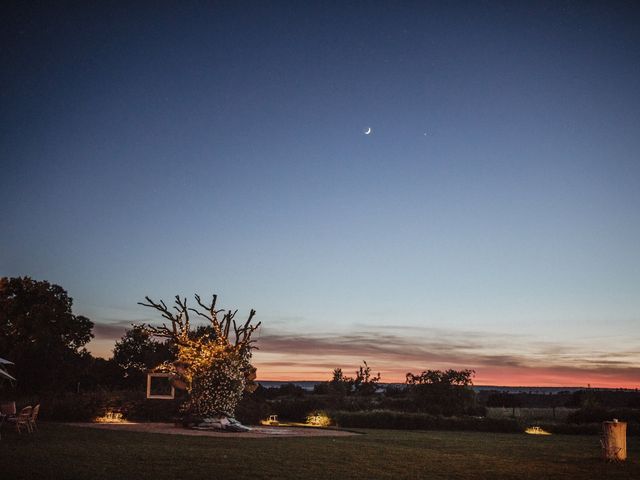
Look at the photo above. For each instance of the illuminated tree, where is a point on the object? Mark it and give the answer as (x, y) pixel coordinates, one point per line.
(214, 365)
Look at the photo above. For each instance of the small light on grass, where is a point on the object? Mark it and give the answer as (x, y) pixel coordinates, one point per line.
(536, 431)
(271, 421)
(318, 419)
(110, 416)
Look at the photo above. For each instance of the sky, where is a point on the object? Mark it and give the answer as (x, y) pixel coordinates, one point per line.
(490, 220)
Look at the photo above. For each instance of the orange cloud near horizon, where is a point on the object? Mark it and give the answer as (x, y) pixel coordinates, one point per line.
(505, 376)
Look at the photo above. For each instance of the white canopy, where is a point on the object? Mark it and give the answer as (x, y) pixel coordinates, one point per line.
(6, 362)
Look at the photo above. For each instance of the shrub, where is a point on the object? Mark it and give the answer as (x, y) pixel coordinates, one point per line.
(297, 410)
(633, 429)
(319, 419)
(72, 407)
(85, 407)
(422, 421)
(252, 409)
(599, 414)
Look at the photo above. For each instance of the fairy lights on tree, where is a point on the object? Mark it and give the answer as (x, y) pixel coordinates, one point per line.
(215, 366)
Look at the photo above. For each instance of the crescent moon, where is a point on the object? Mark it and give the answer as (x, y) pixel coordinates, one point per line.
(367, 131)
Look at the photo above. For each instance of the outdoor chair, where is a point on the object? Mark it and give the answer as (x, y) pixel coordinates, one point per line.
(22, 419)
(8, 409)
(34, 417)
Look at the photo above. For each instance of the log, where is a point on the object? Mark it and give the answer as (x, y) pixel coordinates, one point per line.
(614, 441)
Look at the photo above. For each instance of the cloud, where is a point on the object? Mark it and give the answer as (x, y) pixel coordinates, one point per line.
(114, 328)
(493, 355)
(111, 330)
(394, 350)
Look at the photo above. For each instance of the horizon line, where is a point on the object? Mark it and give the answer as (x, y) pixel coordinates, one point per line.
(575, 387)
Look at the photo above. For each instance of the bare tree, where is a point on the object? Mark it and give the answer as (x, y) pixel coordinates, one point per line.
(180, 326)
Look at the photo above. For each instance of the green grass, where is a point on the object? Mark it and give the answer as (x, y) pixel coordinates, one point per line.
(60, 451)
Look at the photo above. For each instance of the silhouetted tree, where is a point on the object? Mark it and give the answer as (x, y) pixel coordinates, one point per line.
(442, 392)
(364, 382)
(137, 352)
(41, 335)
(339, 385)
(102, 373)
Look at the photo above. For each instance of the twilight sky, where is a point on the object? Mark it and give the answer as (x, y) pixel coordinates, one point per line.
(491, 220)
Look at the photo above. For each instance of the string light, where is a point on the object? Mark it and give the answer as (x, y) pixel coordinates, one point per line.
(215, 370)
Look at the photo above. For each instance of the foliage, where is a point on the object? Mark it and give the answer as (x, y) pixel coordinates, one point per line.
(215, 369)
(339, 384)
(442, 392)
(600, 414)
(252, 408)
(86, 407)
(594, 428)
(364, 383)
(137, 352)
(297, 410)
(104, 374)
(285, 390)
(422, 421)
(319, 418)
(40, 333)
(504, 400)
(447, 378)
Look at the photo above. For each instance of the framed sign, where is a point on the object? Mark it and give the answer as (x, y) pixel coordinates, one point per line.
(159, 386)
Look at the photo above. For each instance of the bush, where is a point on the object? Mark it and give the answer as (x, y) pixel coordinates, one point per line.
(72, 407)
(633, 429)
(422, 421)
(598, 414)
(319, 419)
(134, 406)
(297, 410)
(252, 409)
(85, 407)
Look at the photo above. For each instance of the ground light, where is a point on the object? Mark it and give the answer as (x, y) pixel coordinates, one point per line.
(536, 431)
(271, 421)
(110, 416)
(318, 419)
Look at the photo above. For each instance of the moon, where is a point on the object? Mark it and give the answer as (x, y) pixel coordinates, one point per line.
(367, 130)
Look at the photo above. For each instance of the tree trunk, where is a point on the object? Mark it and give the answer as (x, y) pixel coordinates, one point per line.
(614, 440)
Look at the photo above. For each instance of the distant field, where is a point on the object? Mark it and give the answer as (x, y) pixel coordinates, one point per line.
(558, 414)
(65, 452)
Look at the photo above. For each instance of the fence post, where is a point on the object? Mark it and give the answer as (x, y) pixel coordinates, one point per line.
(614, 440)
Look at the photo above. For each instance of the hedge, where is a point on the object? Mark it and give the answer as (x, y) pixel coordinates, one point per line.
(422, 421)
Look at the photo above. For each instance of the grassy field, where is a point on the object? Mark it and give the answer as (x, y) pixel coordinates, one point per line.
(60, 451)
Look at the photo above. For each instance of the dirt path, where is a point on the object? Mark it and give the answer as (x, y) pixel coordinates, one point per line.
(256, 432)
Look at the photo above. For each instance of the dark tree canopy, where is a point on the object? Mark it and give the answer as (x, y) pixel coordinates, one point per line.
(364, 383)
(446, 392)
(41, 335)
(137, 352)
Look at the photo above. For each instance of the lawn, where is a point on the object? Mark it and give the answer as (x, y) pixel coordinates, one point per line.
(60, 451)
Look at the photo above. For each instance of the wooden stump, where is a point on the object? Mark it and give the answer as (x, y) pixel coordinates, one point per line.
(614, 441)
